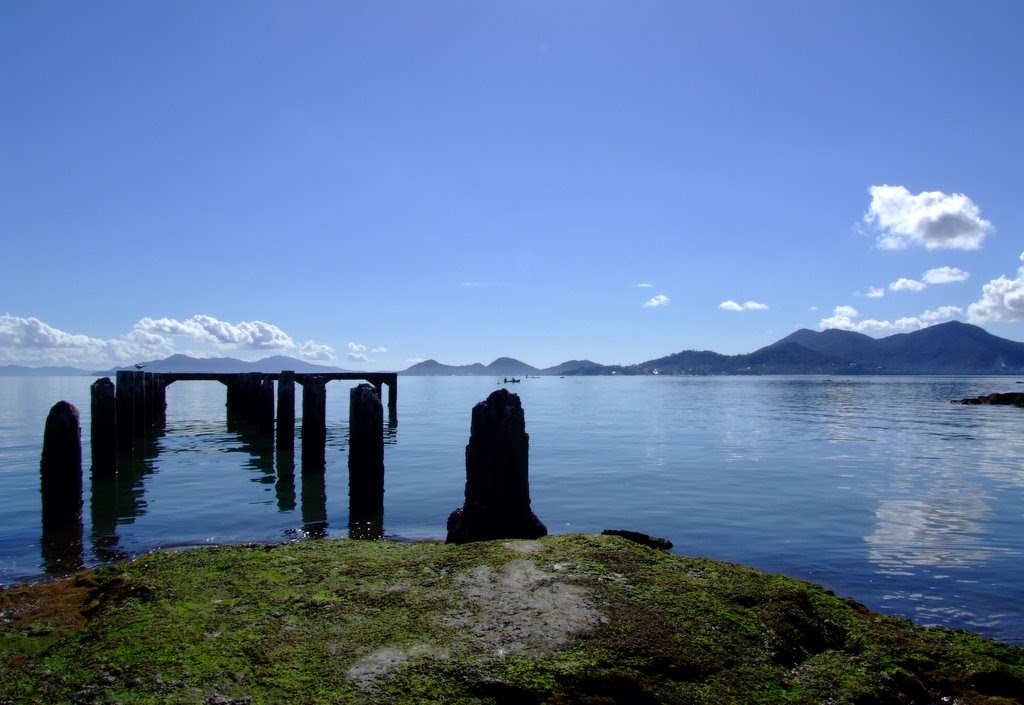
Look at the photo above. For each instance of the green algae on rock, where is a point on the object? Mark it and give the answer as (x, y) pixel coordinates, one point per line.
(563, 619)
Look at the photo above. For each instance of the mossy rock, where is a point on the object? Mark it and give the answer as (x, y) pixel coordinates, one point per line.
(564, 619)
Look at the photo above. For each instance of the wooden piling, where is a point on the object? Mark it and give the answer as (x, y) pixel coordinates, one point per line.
(286, 410)
(139, 403)
(265, 406)
(497, 502)
(365, 463)
(314, 423)
(125, 398)
(61, 467)
(103, 428)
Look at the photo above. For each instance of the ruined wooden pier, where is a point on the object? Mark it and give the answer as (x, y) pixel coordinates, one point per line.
(140, 403)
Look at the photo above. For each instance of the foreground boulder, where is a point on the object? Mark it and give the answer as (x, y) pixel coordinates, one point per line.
(564, 619)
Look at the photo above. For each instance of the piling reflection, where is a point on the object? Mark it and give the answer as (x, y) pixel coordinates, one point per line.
(284, 489)
(314, 504)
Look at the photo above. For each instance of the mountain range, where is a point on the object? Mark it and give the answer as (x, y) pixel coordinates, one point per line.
(947, 348)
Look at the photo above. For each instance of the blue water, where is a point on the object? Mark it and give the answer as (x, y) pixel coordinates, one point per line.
(877, 487)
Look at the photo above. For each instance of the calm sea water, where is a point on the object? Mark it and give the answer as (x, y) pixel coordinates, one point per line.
(878, 488)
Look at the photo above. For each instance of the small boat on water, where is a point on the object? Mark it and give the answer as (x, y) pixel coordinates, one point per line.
(510, 380)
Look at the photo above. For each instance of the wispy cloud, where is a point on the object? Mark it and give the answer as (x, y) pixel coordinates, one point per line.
(357, 353)
(932, 219)
(644, 285)
(654, 301)
(745, 306)
(1002, 299)
(874, 292)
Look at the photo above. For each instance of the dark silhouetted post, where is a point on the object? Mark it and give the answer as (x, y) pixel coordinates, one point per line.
(139, 403)
(61, 465)
(286, 411)
(365, 463)
(125, 394)
(314, 423)
(61, 480)
(103, 428)
(497, 475)
(265, 407)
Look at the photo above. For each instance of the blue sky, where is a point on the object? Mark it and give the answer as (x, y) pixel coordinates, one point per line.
(373, 184)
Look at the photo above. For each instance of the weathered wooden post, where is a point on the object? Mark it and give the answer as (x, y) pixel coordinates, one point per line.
(365, 463)
(497, 476)
(392, 383)
(61, 467)
(265, 408)
(125, 396)
(139, 403)
(103, 428)
(286, 410)
(314, 424)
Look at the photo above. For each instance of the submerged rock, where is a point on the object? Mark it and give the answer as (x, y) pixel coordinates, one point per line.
(997, 398)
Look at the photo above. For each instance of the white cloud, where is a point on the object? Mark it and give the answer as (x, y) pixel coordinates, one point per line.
(248, 335)
(316, 351)
(379, 350)
(843, 319)
(942, 313)
(904, 284)
(1002, 299)
(357, 353)
(945, 275)
(33, 342)
(644, 285)
(31, 333)
(932, 219)
(659, 300)
(746, 306)
(875, 292)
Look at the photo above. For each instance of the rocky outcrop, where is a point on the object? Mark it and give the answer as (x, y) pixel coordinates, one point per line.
(995, 399)
(497, 502)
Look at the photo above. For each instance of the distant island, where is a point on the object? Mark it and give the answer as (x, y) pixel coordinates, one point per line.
(951, 348)
(944, 349)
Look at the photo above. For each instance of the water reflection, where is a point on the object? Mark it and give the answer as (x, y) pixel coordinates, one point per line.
(929, 532)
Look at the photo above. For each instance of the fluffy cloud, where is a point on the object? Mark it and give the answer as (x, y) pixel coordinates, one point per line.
(246, 335)
(250, 335)
(659, 300)
(843, 318)
(31, 341)
(875, 292)
(1002, 299)
(746, 306)
(932, 219)
(29, 333)
(904, 284)
(945, 275)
